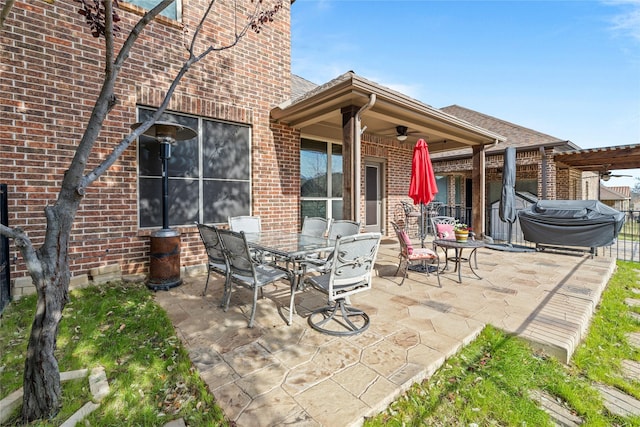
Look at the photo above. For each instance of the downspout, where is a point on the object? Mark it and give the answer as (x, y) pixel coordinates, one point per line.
(356, 156)
(543, 166)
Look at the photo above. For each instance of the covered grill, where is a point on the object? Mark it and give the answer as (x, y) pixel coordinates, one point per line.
(583, 223)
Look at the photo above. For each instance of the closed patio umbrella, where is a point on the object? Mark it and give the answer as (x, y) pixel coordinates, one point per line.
(423, 187)
(507, 209)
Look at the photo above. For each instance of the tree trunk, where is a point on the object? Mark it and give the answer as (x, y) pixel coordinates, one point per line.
(42, 397)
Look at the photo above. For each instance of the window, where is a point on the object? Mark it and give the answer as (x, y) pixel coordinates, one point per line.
(458, 192)
(209, 176)
(320, 191)
(443, 189)
(173, 11)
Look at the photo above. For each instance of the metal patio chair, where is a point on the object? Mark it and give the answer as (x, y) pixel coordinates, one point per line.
(315, 226)
(442, 227)
(342, 228)
(217, 261)
(410, 255)
(246, 271)
(248, 224)
(337, 228)
(350, 273)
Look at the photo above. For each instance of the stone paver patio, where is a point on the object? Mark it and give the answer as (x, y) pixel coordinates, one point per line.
(276, 374)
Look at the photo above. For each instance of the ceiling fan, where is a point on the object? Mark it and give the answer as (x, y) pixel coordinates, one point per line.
(402, 132)
(607, 175)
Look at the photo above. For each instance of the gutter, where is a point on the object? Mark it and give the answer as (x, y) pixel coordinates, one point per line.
(543, 167)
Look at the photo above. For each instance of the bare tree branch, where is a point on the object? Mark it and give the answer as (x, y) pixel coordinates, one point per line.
(257, 16)
(22, 242)
(101, 109)
(5, 11)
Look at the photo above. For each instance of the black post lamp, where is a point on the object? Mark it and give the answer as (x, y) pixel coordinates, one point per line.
(164, 265)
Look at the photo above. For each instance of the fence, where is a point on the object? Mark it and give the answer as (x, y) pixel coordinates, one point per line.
(625, 248)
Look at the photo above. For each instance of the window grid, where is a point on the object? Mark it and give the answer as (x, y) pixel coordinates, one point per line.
(149, 200)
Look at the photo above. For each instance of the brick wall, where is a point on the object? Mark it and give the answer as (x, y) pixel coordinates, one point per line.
(397, 157)
(50, 75)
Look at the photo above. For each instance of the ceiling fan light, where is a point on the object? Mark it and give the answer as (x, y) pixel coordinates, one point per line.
(401, 132)
(606, 176)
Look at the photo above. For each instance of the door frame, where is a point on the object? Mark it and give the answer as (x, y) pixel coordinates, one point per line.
(380, 165)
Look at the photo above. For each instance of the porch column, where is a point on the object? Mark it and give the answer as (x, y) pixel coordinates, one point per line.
(349, 162)
(478, 207)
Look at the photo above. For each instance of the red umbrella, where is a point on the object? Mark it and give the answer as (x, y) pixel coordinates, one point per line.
(423, 187)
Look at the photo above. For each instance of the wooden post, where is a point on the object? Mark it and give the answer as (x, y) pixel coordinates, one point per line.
(478, 186)
(348, 160)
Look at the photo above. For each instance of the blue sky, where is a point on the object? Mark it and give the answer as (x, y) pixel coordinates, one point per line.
(570, 69)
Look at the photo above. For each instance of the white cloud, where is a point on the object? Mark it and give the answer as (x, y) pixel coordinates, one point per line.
(628, 21)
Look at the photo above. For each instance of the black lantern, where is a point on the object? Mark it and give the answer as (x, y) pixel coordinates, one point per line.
(164, 265)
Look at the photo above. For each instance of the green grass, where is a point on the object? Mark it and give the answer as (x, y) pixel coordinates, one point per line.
(605, 347)
(489, 382)
(120, 327)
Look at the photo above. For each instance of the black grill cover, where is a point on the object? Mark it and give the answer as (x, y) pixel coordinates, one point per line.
(571, 223)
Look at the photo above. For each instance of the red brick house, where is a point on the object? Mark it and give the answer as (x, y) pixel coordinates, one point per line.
(263, 146)
(51, 72)
(548, 167)
(536, 170)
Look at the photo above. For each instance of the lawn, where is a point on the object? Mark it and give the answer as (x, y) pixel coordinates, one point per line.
(120, 327)
(489, 382)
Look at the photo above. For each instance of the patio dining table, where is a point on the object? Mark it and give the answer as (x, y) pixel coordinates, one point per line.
(293, 248)
(458, 247)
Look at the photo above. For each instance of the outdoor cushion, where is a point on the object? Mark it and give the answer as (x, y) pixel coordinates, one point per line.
(421, 253)
(404, 236)
(445, 231)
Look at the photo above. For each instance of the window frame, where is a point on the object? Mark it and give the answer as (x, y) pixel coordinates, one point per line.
(328, 199)
(199, 176)
(137, 6)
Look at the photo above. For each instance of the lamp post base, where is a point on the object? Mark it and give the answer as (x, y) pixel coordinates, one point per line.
(164, 262)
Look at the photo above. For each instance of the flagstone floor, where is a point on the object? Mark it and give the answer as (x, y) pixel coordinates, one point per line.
(274, 374)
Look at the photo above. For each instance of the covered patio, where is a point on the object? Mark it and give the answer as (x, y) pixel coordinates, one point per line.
(363, 117)
(276, 374)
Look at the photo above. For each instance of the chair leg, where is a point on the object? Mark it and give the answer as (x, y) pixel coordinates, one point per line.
(292, 301)
(204, 293)
(226, 291)
(227, 297)
(438, 273)
(255, 302)
(406, 271)
(406, 268)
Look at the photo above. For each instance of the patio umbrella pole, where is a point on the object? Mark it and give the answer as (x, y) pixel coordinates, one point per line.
(422, 189)
(423, 234)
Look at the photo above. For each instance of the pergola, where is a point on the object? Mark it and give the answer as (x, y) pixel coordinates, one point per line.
(602, 159)
(346, 106)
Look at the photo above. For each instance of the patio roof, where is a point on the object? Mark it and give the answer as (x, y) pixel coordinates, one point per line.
(318, 112)
(602, 159)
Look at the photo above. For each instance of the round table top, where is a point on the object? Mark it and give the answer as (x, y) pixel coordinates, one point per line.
(451, 243)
